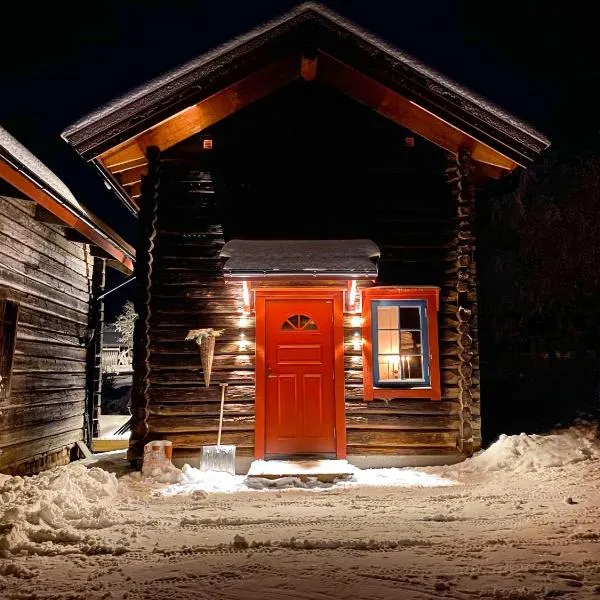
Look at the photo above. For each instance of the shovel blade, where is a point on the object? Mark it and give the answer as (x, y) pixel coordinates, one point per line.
(218, 458)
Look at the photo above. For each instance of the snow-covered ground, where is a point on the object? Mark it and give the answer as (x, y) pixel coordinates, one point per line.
(519, 521)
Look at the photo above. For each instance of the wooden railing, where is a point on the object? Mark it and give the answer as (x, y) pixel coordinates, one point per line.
(116, 360)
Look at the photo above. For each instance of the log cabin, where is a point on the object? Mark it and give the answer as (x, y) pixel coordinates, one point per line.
(309, 191)
(53, 255)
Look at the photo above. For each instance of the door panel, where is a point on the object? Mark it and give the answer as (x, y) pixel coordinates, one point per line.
(299, 360)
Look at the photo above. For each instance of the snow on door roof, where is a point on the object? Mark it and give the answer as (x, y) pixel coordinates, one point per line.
(23, 159)
(350, 258)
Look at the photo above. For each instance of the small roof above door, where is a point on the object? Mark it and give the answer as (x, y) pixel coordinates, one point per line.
(348, 259)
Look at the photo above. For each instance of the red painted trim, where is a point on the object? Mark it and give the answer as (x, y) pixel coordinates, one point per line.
(260, 375)
(432, 297)
(261, 296)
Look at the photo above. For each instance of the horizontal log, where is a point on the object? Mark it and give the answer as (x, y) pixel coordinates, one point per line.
(185, 322)
(25, 382)
(168, 377)
(15, 416)
(36, 364)
(54, 266)
(172, 333)
(66, 305)
(205, 409)
(356, 421)
(198, 393)
(241, 439)
(35, 320)
(49, 349)
(182, 424)
(186, 348)
(46, 397)
(18, 222)
(13, 455)
(177, 304)
(41, 280)
(21, 435)
(160, 360)
(359, 450)
(401, 438)
(402, 406)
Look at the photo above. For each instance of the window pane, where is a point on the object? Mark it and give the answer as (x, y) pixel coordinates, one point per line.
(389, 367)
(311, 325)
(387, 341)
(410, 318)
(387, 317)
(412, 367)
(410, 342)
(287, 326)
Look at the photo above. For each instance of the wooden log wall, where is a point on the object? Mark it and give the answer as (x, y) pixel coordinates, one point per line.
(414, 216)
(49, 277)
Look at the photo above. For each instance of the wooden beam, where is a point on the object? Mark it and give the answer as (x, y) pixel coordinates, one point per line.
(126, 165)
(117, 266)
(133, 175)
(308, 67)
(405, 112)
(203, 114)
(133, 189)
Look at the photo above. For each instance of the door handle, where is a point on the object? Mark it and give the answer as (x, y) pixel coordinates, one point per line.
(269, 372)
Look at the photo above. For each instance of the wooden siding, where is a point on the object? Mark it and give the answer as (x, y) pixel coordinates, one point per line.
(410, 211)
(49, 277)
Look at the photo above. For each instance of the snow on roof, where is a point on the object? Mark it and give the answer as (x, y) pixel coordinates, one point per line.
(17, 154)
(297, 257)
(175, 79)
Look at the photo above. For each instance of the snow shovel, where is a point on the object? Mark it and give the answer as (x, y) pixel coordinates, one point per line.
(219, 458)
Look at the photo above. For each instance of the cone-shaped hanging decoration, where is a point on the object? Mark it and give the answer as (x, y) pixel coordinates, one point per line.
(205, 338)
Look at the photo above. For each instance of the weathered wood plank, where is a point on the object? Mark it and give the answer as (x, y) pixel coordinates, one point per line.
(19, 415)
(241, 439)
(26, 382)
(20, 224)
(47, 397)
(53, 266)
(179, 424)
(407, 422)
(402, 406)
(198, 393)
(49, 349)
(12, 455)
(401, 438)
(40, 364)
(34, 432)
(196, 410)
(369, 450)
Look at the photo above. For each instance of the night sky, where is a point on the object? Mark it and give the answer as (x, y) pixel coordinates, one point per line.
(537, 59)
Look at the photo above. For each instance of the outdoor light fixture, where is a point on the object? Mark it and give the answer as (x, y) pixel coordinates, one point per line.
(356, 321)
(246, 296)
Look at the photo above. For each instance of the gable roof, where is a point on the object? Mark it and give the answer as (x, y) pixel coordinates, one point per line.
(24, 171)
(312, 42)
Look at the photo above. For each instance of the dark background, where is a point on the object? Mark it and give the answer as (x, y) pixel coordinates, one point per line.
(538, 232)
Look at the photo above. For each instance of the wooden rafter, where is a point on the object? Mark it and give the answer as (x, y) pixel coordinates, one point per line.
(201, 115)
(399, 109)
(126, 163)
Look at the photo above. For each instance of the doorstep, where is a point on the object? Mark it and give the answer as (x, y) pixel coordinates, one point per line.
(323, 469)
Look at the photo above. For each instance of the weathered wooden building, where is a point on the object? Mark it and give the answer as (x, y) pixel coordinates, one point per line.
(309, 190)
(52, 258)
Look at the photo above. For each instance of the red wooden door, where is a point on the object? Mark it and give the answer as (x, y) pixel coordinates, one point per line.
(299, 362)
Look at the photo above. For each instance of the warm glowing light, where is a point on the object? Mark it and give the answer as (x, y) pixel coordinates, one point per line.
(246, 296)
(356, 321)
(244, 322)
(356, 341)
(243, 342)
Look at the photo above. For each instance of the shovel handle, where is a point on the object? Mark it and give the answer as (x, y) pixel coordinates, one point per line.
(223, 389)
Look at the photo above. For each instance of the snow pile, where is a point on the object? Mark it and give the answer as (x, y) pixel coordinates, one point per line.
(193, 479)
(524, 453)
(397, 477)
(53, 512)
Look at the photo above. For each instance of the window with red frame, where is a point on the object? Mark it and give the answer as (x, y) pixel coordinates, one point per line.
(400, 343)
